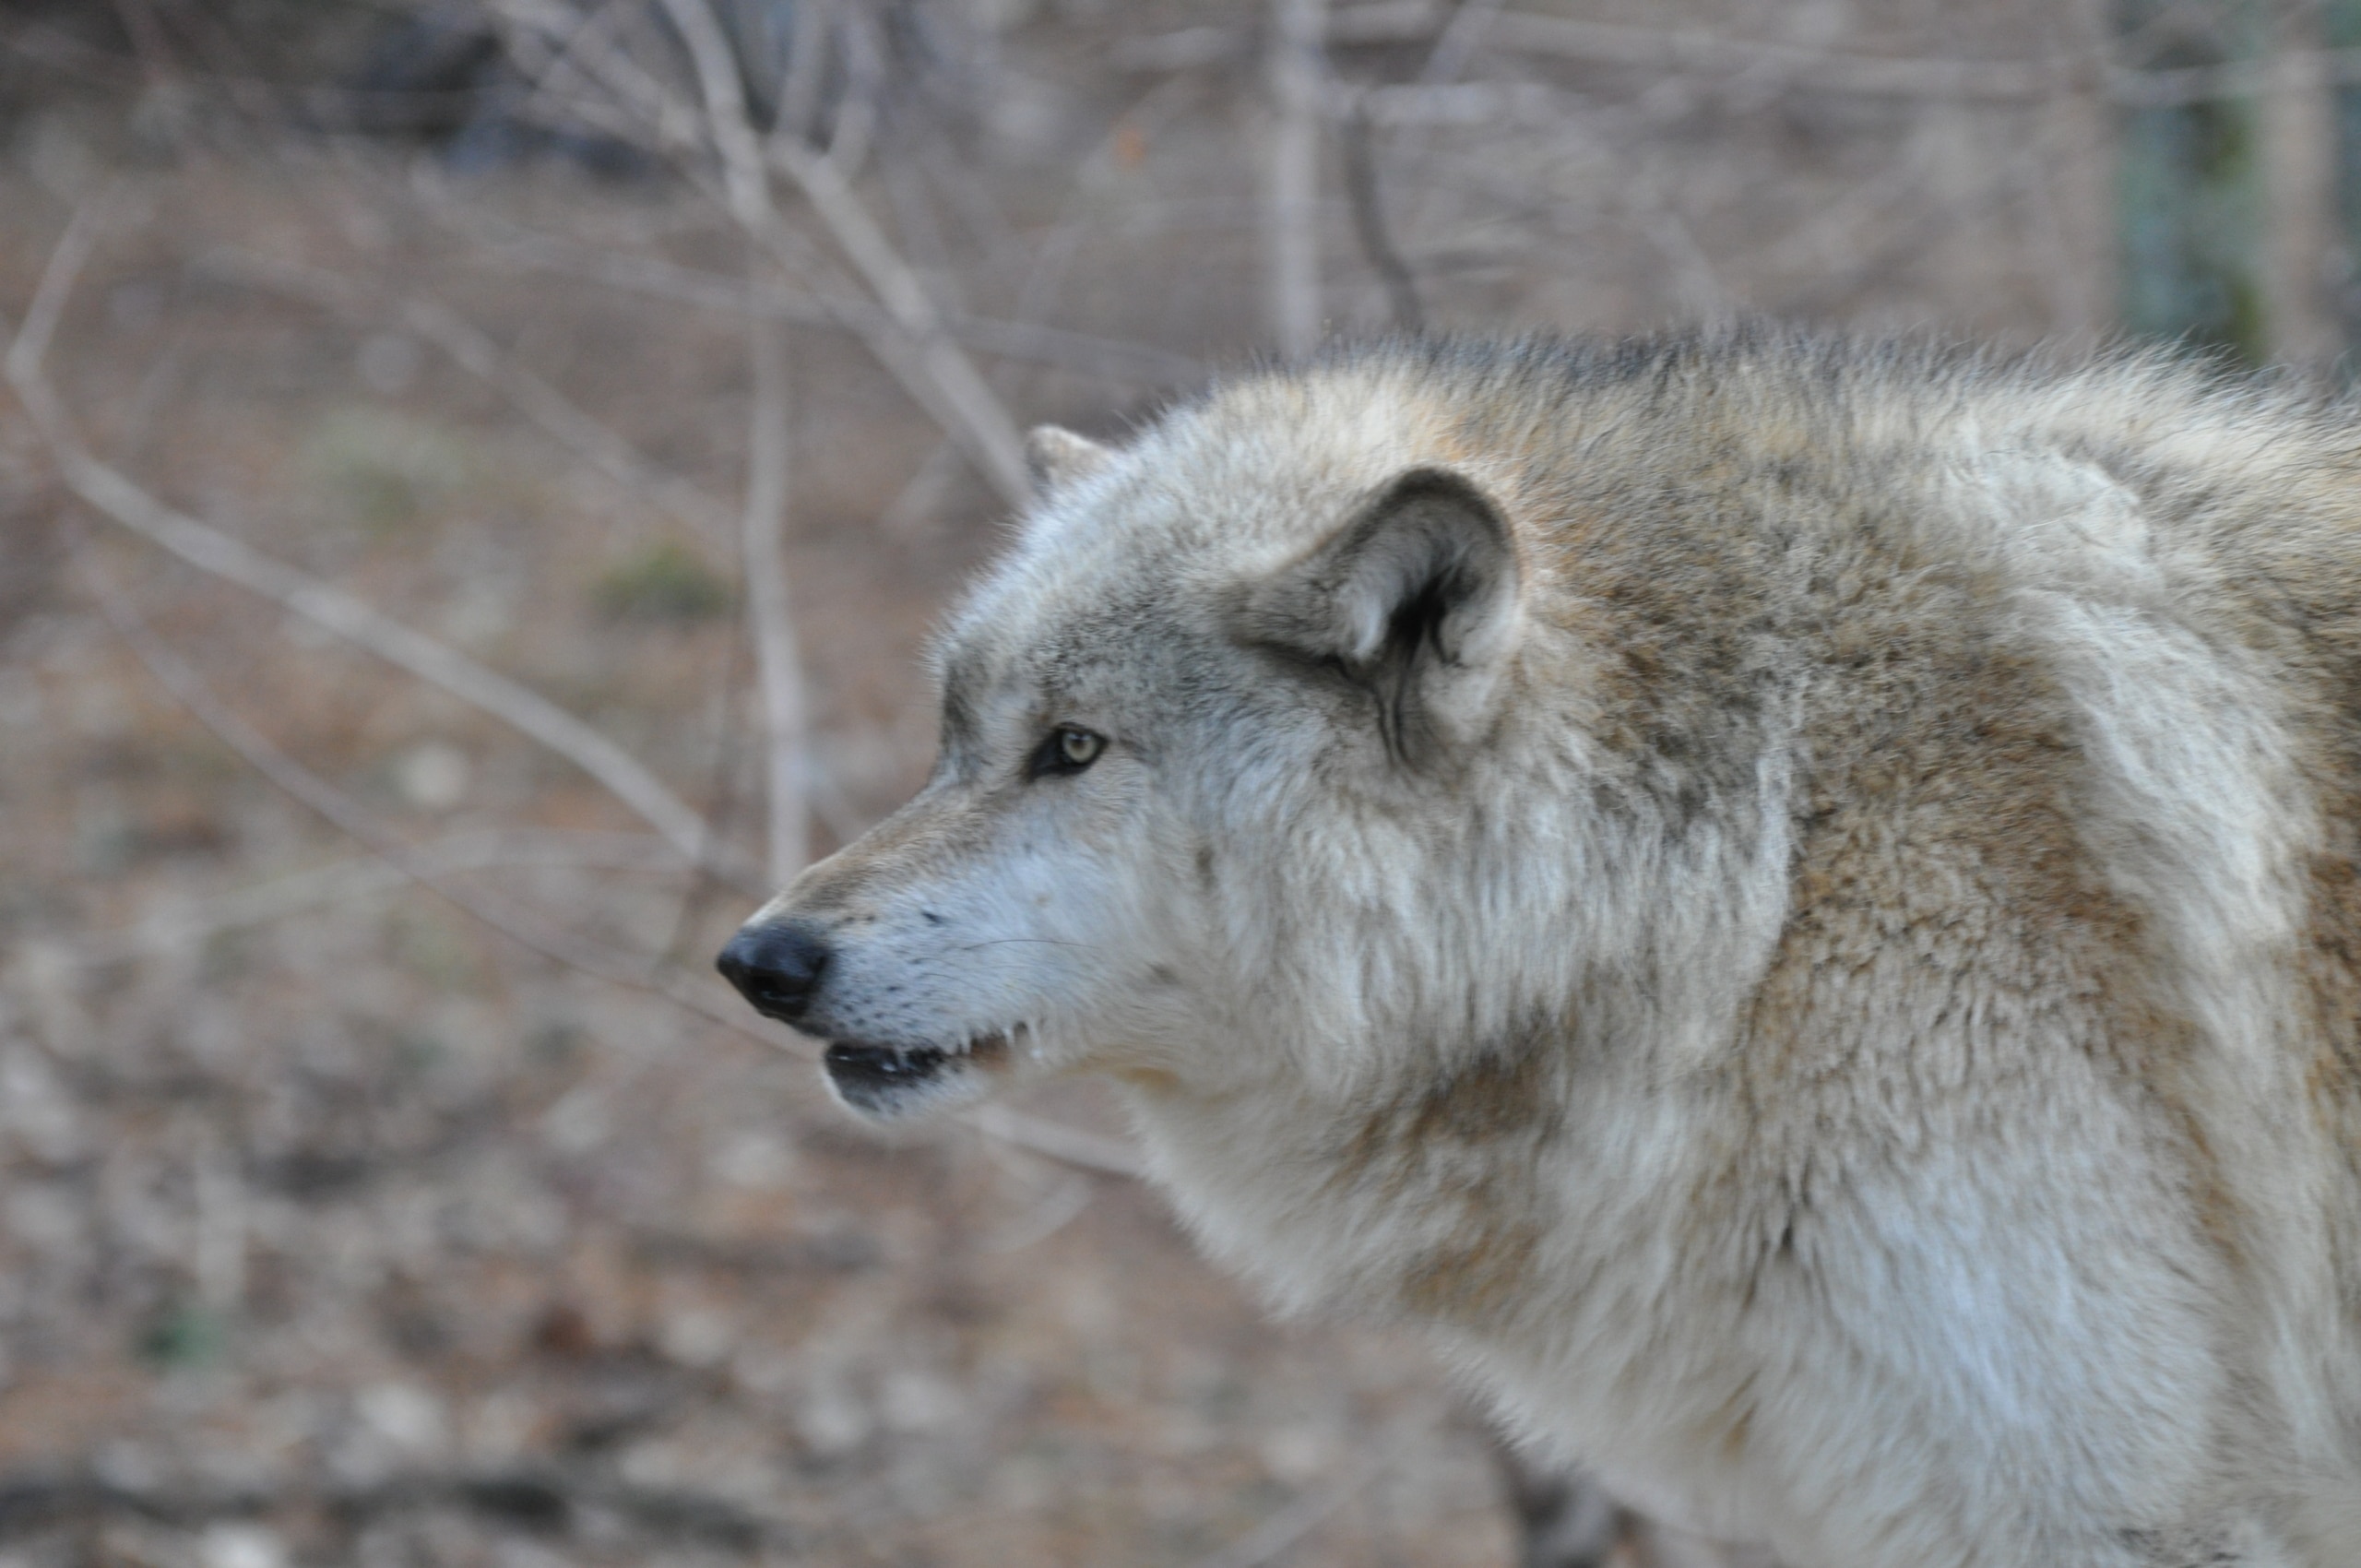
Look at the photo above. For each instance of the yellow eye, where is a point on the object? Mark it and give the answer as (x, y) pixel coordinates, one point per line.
(1064, 750)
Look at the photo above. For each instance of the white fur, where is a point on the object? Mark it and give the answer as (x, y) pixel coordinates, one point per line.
(1828, 1191)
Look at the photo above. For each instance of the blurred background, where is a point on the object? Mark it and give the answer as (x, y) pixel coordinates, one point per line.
(474, 480)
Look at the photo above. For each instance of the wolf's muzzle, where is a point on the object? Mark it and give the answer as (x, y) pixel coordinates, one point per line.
(873, 1079)
(777, 968)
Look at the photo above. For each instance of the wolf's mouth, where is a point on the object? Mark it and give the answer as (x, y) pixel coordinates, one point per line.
(882, 1078)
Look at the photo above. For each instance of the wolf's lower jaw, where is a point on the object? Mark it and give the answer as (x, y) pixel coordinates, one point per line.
(884, 1080)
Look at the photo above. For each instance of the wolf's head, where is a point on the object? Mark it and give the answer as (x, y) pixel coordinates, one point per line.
(1235, 775)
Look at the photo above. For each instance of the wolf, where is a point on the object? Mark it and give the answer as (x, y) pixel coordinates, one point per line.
(1791, 904)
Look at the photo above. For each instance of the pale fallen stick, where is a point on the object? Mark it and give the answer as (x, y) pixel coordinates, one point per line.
(225, 556)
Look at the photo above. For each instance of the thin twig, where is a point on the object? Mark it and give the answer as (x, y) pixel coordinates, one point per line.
(1129, 136)
(1459, 43)
(718, 795)
(929, 362)
(351, 818)
(1126, 363)
(1369, 222)
(779, 667)
(726, 119)
(369, 876)
(974, 414)
(799, 96)
(910, 336)
(473, 351)
(778, 670)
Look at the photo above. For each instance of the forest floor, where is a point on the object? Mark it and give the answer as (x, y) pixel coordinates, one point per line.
(336, 1226)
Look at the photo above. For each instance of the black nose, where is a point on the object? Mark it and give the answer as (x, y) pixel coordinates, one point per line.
(777, 968)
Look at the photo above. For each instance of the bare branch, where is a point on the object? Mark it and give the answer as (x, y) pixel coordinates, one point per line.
(1459, 43)
(67, 259)
(351, 817)
(763, 525)
(472, 349)
(778, 669)
(231, 559)
(1126, 363)
(971, 412)
(744, 176)
(800, 94)
(930, 366)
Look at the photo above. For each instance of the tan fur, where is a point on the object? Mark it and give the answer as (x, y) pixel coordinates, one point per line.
(1793, 903)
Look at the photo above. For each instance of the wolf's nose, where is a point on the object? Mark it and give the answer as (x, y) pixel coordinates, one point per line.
(777, 968)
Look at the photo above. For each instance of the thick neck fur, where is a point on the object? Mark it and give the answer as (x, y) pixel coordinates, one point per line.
(1461, 1184)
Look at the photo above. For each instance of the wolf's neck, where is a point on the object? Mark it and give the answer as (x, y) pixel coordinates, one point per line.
(1468, 1200)
(1531, 1221)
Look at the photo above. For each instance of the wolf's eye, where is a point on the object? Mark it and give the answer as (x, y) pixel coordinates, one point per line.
(1065, 750)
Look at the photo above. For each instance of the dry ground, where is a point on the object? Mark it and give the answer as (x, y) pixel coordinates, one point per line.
(336, 1228)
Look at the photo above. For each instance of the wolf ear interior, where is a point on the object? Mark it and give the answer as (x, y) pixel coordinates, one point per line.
(1056, 456)
(1416, 598)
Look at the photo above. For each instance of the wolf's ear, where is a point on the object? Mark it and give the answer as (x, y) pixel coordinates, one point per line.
(1055, 456)
(1415, 598)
